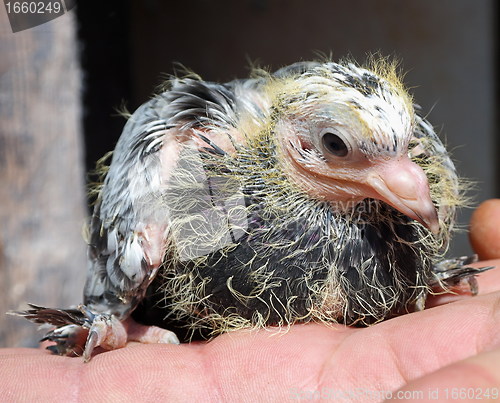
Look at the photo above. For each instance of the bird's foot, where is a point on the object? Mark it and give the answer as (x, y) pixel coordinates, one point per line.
(105, 331)
(99, 330)
(456, 275)
(149, 334)
(69, 340)
(80, 331)
(109, 333)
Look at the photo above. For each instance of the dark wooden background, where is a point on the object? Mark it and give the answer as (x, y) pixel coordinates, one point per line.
(62, 83)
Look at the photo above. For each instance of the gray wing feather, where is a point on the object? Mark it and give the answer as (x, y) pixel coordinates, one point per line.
(129, 203)
(118, 269)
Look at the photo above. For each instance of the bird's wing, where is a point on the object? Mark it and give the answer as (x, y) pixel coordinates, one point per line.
(129, 227)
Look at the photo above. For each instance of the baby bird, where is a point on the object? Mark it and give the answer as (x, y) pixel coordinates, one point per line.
(315, 193)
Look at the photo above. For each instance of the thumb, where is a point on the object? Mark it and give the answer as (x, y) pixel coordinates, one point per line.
(484, 232)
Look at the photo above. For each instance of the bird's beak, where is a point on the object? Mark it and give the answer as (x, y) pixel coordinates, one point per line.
(403, 185)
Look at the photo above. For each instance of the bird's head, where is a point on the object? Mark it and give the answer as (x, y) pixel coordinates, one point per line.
(344, 134)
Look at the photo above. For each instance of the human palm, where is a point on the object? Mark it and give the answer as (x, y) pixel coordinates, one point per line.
(450, 351)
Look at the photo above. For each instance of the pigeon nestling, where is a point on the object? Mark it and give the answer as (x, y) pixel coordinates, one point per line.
(315, 193)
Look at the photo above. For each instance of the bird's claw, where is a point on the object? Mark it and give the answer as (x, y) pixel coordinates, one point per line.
(80, 331)
(92, 330)
(109, 333)
(68, 340)
(456, 273)
(105, 331)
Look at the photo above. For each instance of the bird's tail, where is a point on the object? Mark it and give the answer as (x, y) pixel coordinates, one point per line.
(52, 316)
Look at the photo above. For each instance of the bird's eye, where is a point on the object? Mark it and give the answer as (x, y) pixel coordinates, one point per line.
(335, 145)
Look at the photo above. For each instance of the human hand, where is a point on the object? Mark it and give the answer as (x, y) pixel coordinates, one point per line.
(441, 352)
